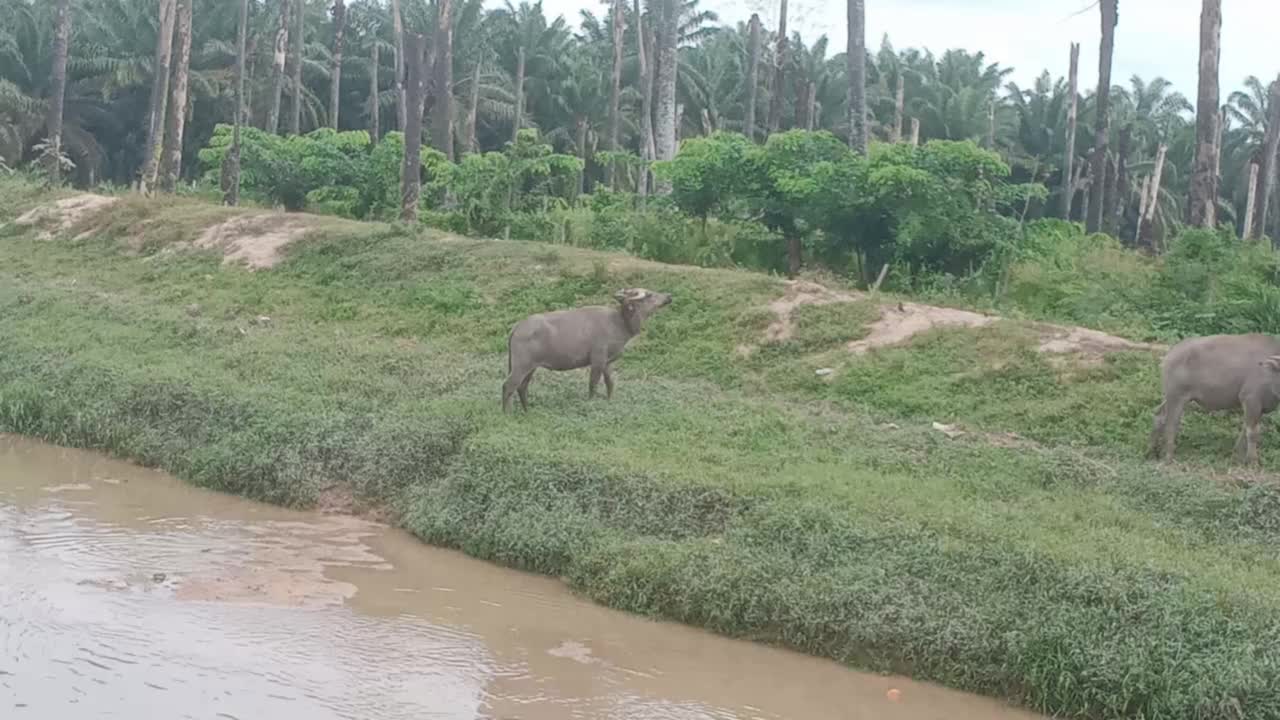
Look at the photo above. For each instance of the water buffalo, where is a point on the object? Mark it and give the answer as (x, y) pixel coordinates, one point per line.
(571, 339)
(1219, 372)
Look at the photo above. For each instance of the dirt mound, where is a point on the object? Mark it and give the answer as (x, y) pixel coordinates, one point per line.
(61, 216)
(1091, 345)
(256, 240)
(899, 323)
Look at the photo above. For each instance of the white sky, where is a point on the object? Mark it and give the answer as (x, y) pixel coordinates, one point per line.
(1154, 37)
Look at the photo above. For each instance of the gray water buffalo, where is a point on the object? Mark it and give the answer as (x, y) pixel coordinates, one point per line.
(1219, 372)
(570, 339)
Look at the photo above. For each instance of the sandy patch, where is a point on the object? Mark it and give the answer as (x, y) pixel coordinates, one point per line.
(1089, 345)
(57, 218)
(256, 240)
(900, 323)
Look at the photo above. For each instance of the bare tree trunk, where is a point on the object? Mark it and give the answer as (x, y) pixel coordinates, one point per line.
(231, 163)
(1270, 157)
(519, 119)
(171, 160)
(278, 56)
(779, 70)
(375, 108)
(991, 125)
(1087, 180)
(1142, 210)
(1202, 208)
(615, 86)
(397, 27)
(857, 71)
(159, 98)
(1246, 230)
(647, 143)
(580, 131)
(811, 107)
(1077, 184)
(1102, 137)
(1144, 229)
(299, 41)
(899, 108)
(335, 71)
(411, 168)
(53, 123)
(1117, 184)
(1068, 186)
(915, 132)
(753, 74)
(473, 109)
(664, 135)
(442, 80)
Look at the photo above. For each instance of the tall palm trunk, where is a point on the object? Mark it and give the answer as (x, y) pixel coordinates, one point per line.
(442, 80)
(1250, 203)
(299, 41)
(231, 163)
(473, 108)
(753, 74)
(1270, 158)
(664, 135)
(519, 119)
(1068, 163)
(375, 108)
(779, 70)
(615, 87)
(1117, 188)
(811, 107)
(278, 55)
(857, 71)
(580, 128)
(335, 71)
(1202, 208)
(411, 168)
(647, 150)
(159, 98)
(53, 123)
(899, 107)
(171, 162)
(1145, 237)
(397, 28)
(1102, 139)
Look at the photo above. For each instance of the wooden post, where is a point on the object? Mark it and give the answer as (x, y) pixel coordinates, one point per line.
(915, 131)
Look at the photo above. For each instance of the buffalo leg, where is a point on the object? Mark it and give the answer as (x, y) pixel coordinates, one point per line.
(595, 380)
(608, 381)
(1157, 433)
(523, 391)
(1252, 432)
(1172, 423)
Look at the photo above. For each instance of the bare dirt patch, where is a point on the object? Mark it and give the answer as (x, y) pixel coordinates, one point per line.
(900, 323)
(1089, 346)
(59, 217)
(257, 240)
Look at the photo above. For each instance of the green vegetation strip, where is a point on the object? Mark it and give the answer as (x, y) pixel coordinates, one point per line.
(739, 493)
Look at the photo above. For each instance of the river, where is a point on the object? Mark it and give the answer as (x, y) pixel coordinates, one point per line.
(125, 593)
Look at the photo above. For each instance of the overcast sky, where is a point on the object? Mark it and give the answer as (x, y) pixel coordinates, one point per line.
(1154, 37)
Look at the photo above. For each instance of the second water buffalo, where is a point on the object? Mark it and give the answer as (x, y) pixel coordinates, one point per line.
(571, 339)
(1219, 372)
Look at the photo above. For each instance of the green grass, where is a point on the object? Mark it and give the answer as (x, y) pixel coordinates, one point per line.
(739, 493)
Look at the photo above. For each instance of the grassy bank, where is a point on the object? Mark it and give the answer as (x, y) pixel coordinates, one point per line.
(733, 490)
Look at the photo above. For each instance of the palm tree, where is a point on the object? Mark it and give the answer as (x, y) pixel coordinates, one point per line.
(1202, 205)
(335, 72)
(529, 42)
(779, 70)
(442, 80)
(411, 168)
(666, 43)
(62, 38)
(753, 77)
(159, 96)
(171, 162)
(857, 75)
(231, 163)
(279, 52)
(1102, 120)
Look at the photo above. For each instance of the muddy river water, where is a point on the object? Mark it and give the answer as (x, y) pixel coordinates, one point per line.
(127, 594)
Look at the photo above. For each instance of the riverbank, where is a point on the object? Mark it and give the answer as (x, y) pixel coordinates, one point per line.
(1023, 549)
